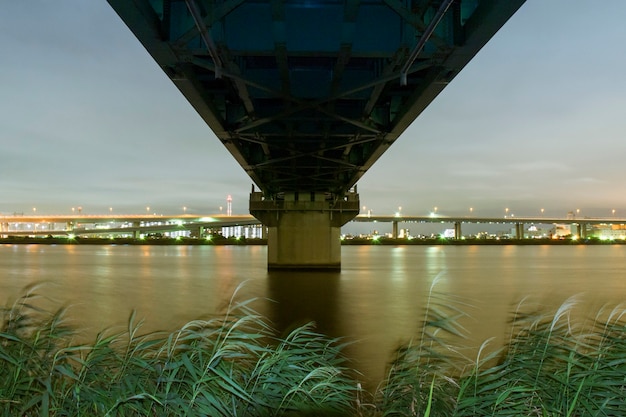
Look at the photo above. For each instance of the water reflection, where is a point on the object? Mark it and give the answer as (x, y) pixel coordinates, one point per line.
(376, 301)
(297, 298)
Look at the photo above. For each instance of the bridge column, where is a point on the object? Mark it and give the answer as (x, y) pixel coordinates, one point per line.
(304, 228)
(458, 234)
(137, 232)
(394, 229)
(519, 230)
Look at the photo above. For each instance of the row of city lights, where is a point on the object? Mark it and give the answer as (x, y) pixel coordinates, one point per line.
(80, 209)
(471, 210)
(229, 201)
(365, 210)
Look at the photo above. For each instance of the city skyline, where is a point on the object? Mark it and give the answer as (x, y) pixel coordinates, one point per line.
(535, 121)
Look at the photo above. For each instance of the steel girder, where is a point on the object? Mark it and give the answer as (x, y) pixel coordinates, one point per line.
(308, 94)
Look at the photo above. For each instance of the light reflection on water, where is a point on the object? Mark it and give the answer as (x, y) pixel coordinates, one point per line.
(376, 300)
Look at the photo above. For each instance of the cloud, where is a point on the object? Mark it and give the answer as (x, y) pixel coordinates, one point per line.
(495, 171)
(539, 166)
(585, 181)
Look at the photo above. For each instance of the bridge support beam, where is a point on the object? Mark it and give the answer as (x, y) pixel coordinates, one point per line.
(137, 231)
(304, 228)
(458, 233)
(519, 230)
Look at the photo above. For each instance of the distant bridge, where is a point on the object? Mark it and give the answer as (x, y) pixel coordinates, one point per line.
(136, 225)
(307, 95)
(580, 224)
(129, 224)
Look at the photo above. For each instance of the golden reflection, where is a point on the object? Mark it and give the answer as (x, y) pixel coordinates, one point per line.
(376, 301)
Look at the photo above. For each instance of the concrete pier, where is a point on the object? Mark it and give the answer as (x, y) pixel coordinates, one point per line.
(581, 230)
(304, 228)
(458, 233)
(136, 232)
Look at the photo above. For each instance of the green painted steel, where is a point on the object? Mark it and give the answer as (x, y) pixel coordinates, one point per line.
(308, 94)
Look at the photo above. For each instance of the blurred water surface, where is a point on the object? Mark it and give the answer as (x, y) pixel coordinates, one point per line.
(376, 301)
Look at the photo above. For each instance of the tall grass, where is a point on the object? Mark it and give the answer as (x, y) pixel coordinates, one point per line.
(225, 366)
(552, 365)
(420, 377)
(235, 365)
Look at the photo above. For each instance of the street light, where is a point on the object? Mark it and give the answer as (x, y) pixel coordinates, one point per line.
(541, 212)
(506, 212)
(471, 210)
(111, 210)
(184, 209)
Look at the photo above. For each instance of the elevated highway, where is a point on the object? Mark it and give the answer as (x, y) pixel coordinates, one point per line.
(580, 224)
(135, 224)
(59, 225)
(307, 95)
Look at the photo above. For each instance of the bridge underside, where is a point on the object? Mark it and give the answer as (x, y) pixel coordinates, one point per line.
(308, 94)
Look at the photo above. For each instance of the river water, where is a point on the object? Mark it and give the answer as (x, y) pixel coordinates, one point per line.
(376, 301)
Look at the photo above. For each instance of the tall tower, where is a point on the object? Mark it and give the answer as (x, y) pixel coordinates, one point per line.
(229, 205)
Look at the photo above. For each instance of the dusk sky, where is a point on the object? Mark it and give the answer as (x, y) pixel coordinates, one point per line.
(536, 120)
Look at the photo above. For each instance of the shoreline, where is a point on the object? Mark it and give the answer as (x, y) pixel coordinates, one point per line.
(220, 241)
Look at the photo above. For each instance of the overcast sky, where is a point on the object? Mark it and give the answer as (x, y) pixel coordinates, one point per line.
(536, 120)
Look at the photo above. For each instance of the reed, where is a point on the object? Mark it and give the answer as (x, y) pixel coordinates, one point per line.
(552, 366)
(225, 366)
(234, 365)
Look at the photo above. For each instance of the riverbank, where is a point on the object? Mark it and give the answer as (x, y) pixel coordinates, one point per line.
(219, 240)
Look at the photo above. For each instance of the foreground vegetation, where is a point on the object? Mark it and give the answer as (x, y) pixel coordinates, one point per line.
(235, 365)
